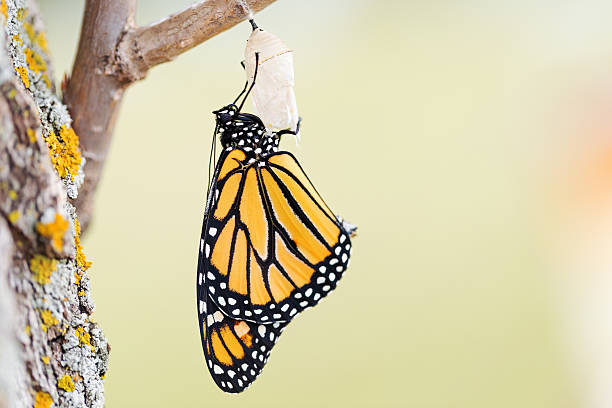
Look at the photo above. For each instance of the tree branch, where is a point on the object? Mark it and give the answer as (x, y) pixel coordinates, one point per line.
(146, 47)
(94, 92)
(113, 54)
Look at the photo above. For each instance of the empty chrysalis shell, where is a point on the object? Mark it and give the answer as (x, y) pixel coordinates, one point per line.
(273, 95)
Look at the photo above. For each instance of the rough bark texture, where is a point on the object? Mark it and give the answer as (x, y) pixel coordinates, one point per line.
(113, 53)
(50, 350)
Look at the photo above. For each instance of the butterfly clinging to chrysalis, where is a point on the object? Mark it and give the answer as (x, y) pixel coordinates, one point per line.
(270, 246)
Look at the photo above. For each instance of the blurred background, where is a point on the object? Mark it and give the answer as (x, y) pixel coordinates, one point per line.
(470, 141)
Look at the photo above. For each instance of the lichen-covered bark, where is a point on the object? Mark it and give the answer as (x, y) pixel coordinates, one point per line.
(51, 352)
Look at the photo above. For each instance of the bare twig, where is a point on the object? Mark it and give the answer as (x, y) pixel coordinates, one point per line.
(161, 42)
(113, 54)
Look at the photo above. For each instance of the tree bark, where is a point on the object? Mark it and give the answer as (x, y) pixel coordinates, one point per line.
(51, 352)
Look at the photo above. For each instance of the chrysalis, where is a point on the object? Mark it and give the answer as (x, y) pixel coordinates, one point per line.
(273, 95)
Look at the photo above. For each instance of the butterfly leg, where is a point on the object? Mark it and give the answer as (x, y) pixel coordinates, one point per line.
(289, 131)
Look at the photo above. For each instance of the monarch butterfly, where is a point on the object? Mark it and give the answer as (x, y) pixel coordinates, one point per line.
(270, 247)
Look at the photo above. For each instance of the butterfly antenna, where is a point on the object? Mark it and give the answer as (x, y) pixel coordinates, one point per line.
(253, 83)
(253, 24)
(213, 149)
(243, 89)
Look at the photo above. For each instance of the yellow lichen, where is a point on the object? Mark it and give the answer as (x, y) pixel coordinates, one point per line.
(21, 14)
(35, 61)
(41, 40)
(65, 153)
(4, 10)
(81, 292)
(18, 39)
(42, 400)
(45, 78)
(84, 338)
(37, 38)
(12, 194)
(23, 73)
(80, 256)
(45, 359)
(48, 319)
(28, 330)
(14, 216)
(54, 230)
(29, 28)
(65, 383)
(42, 268)
(31, 134)
(77, 278)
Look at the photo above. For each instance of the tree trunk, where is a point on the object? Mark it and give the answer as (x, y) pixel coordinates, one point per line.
(51, 352)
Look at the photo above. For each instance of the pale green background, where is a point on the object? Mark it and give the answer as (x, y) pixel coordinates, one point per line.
(424, 124)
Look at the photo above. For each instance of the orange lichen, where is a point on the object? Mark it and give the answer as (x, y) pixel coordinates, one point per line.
(84, 338)
(80, 256)
(4, 10)
(14, 216)
(23, 74)
(77, 278)
(65, 383)
(35, 61)
(48, 319)
(42, 268)
(45, 359)
(42, 400)
(64, 152)
(54, 230)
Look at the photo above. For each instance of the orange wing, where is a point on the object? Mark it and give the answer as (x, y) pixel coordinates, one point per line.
(270, 246)
(235, 351)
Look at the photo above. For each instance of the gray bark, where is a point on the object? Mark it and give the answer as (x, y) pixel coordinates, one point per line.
(50, 350)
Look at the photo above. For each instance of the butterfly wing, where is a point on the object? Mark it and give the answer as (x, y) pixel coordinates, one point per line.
(271, 247)
(235, 350)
